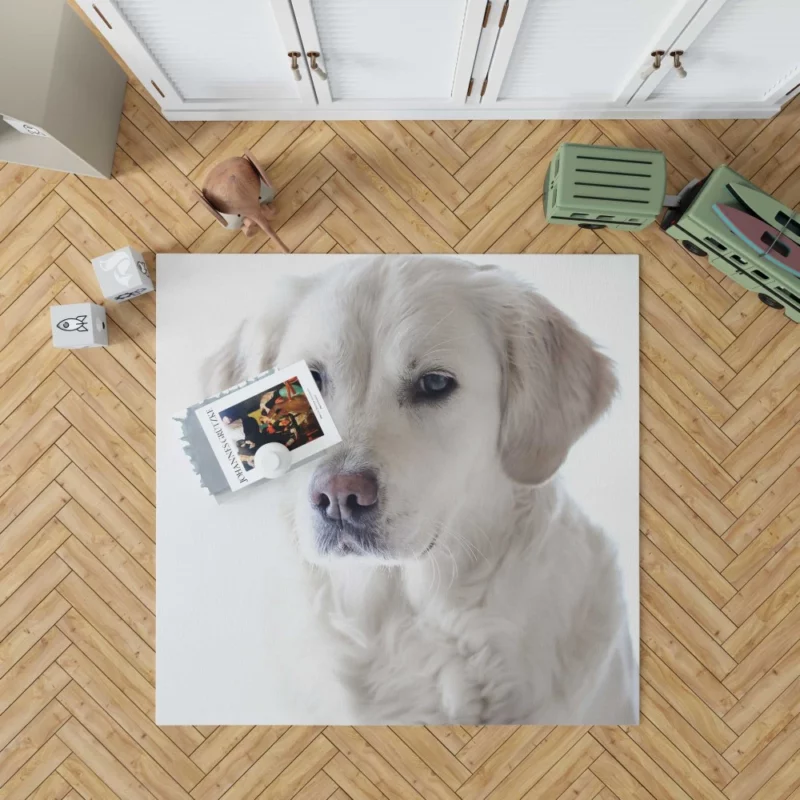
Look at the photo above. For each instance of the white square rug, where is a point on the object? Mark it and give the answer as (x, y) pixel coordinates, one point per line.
(218, 586)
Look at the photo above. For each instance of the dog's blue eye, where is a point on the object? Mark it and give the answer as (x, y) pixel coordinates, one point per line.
(317, 376)
(436, 384)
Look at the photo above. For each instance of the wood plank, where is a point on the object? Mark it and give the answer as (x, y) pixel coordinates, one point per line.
(134, 649)
(26, 198)
(684, 556)
(494, 152)
(36, 297)
(152, 740)
(503, 762)
(350, 202)
(109, 517)
(535, 148)
(686, 593)
(685, 665)
(159, 132)
(426, 168)
(30, 267)
(475, 134)
(763, 474)
(763, 546)
(37, 770)
(691, 382)
(678, 734)
(116, 452)
(414, 226)
(669, 443)
(437, 143)
(685, 413)
(238, 761)
(29, 486)
(31, 593)
(30, 630)
(97, 758)
(119, 743)
(155, 200)
(85, 783)
(452, 127)
(133, 214)
(31, 230)
(681, 624)
(32, 737)
(136, 145)
(773, 573)
(116, 596)
(761, 513)
(418, 196)
(288, 147)
(685, 702)
(691, 345)
(209, 135)
(684, 520)
(110, 552)
(106, 224)
(12, 176)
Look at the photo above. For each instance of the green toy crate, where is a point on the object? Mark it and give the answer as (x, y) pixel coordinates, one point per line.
(605, 187)
(698, 228)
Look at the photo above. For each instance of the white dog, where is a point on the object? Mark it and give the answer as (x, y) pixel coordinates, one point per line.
(436, 571)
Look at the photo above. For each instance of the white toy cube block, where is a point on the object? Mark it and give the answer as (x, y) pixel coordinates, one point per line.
(122, 274)
(78, 325)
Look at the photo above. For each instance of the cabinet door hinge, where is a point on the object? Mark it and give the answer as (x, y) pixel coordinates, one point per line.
(483, 88)
(487, 12)
(503, 15)
(469, 87)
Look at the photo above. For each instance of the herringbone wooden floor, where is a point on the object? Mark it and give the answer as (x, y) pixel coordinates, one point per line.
(720, 461)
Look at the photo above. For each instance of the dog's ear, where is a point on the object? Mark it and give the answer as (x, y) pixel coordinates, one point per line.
(556, 384)
(255, 344)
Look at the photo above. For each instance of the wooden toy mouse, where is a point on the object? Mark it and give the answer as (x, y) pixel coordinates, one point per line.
(237, 192)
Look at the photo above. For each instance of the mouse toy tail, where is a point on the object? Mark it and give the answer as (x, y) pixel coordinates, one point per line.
(264, 223)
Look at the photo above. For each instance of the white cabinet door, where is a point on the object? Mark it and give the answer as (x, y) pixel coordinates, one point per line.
(740, 51)
(215, 54)
(391, 53)
(555, 54)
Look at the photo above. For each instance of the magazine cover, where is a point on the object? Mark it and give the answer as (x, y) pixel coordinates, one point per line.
(282, 406)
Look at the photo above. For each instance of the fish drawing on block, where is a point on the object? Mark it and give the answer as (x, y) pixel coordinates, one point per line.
(763, 238)
(78, 324)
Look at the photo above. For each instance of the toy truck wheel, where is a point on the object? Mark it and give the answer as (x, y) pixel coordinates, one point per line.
(592, 226)
(693, 248)
(769, 301)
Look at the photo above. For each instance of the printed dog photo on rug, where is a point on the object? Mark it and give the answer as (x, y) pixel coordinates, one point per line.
(280, 414)
(433, 568)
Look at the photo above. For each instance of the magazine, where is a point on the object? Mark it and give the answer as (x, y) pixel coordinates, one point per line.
(282, 405)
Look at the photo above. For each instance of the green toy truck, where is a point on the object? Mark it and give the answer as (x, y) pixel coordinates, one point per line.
(610, 187)
(605, 187)
(695, 225)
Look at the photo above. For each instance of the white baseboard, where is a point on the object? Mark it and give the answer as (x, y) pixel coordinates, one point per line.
(651, 111)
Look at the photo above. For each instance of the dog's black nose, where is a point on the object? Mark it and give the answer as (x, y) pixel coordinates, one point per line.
(345, 496)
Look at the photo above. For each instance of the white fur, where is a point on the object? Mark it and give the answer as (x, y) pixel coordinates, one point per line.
(495, 599)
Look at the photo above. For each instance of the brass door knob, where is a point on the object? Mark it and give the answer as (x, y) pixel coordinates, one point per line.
(658, 56)
(295, 67)
(312, 57)
(676, 60)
